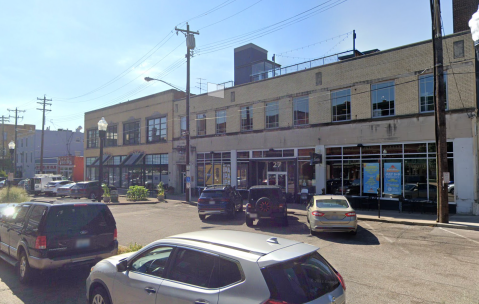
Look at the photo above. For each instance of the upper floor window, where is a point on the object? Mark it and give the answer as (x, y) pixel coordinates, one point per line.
(156, 129)
(92, 138)
(182, 126)
(272, 115)
(382, 98)
(341, 103)
(201, 124)
(246, 118)
(221, 122)
(111, 136)
(131, 133)
(301, 111)
(426, 92)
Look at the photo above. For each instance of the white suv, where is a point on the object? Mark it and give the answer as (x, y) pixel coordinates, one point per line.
(217, 266)
(52, 187)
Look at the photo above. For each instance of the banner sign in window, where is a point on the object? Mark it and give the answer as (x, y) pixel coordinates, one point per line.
(371, 177)
(392, 178)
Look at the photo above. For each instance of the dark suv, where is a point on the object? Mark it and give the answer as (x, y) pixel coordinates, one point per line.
(219, 199)
(45, 235)
(266, 202)
(91, 190)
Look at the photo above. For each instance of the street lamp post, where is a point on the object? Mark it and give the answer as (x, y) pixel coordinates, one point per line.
(11, 147)
(102, 126)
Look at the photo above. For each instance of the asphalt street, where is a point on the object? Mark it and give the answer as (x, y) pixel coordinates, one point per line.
(383, 263)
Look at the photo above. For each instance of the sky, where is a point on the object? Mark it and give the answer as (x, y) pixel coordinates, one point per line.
(85, 55)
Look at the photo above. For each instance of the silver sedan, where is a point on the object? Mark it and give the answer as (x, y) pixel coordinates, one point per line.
(331, 213)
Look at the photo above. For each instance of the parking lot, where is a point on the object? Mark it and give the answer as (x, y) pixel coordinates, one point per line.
(383, 263)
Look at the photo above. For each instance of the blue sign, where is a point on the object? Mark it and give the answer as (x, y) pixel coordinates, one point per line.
(392, 178)
(188, 179)
(371, 177)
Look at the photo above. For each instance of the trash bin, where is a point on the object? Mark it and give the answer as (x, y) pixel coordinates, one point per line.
(114, 194)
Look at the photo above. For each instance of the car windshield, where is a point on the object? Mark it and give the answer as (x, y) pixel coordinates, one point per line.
(212, 194)
(409, 187)
(73, 218)
(300, 280)
(332, 203)
(38, 180)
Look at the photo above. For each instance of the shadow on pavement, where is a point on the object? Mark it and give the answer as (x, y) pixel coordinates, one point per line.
(54, 286)
(218, 219)
(363, 237)
(294, 226)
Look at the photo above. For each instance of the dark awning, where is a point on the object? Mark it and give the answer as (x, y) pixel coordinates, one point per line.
(97, 163)
(133, 159)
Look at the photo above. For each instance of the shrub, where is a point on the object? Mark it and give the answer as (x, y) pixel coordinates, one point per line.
(161, 189)
(132, 247)
(3, 174)
(137, 193)
(13, 195)
(106, 190)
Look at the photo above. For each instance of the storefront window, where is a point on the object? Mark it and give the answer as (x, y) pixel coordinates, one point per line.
(242, 176)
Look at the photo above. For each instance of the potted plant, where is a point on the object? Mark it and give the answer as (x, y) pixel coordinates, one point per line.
(106, 193)
(161, 192)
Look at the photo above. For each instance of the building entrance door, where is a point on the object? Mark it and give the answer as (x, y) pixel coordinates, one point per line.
(278, 179)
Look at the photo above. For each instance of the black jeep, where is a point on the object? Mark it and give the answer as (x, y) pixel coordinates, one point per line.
(266, 202)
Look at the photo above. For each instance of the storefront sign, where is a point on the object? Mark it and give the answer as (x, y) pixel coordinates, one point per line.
(209, 174)
(371, 177)
(392, 178)
(227, 174)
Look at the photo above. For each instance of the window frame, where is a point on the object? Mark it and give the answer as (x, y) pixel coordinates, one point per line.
(182, 131)
(111, 138)
(199, 122)
(218, 122)
(373, 96)
(297, 102)
(92, 143)
(162, 120)
(267, 119)
(334, 117)
(136, 132)
(431, 75)
(144, 253)
(246, 124)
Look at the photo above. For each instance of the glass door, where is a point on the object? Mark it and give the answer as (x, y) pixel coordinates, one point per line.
(278, 179)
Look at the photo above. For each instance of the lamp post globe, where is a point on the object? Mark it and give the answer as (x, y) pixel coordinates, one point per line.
(11, 145)
(102, 126)
(474, 25)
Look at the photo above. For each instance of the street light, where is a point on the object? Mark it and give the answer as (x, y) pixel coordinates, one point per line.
(474, 25)
(102, 126)
(187, 132)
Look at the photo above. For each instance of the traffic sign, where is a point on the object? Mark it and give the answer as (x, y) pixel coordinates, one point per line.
(188, 185)
(188, 179)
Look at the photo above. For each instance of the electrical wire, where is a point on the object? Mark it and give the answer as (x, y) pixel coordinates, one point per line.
(229, 16)
(220, 6)
(316, 43)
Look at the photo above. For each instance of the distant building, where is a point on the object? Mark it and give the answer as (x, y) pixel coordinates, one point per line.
(252, 64)
(57, 143)
(462, 11)
(6, 162)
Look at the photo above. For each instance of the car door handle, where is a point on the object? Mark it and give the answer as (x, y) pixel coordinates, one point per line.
(201, 302)
(150, 290)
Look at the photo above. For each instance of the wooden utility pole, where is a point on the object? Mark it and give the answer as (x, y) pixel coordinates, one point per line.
(4, 119)
(439, 115)
(44, 103)
(190, 44)
(15, 140)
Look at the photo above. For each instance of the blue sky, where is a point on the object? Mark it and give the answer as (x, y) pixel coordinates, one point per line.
(89, 54)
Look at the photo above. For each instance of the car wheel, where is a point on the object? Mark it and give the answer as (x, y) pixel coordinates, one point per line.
(99, 296)
(92, 196)
(241, 207)
(202, 217)
(249, 222)
(25, 272)
(313, 233)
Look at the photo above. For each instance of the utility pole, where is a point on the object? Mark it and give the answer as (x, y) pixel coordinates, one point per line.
(44, 103)
(190, 45)
(200, 83)
(16, 123)
(4, 119)
(439, 115)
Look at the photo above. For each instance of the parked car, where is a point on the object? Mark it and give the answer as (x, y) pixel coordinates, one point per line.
(40, 235)
(91, 190)
(3, 183)
(266, 202)
(341, 189)
(41, 180)
(219, 199)
(306, 194)
(52, 187)
(354, 188)
(65, 190)
(450, 188)
(217, 266)
(331, 213)
(419, 191)
(332, 185)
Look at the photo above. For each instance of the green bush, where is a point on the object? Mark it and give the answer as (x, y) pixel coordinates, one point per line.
(3, 174)
(161, 189)
(13, 195)
(137, 193)
(132, 247)
(106, 190)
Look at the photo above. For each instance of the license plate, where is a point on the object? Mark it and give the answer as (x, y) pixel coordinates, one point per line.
(82, 243)
(212, 202)
(253, 215)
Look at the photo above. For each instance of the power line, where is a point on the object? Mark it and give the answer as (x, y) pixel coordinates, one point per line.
(200, 83)
(316, 43)
(230, 16)
(223, 4)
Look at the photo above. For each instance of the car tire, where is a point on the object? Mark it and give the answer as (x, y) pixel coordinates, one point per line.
(99, 296)
(25, 272)
(241, 207)
(92, 196)
(202, 217)
(313, 233)
(249, 222)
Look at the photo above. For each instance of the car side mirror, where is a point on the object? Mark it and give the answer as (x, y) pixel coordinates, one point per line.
(122, 266)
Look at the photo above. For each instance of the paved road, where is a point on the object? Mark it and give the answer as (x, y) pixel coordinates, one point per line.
(384, 263)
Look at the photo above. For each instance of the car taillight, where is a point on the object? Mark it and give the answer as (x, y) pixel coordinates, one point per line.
(225, 199)
(41, 242)
(115, 235)
(350, 214)
(341, 280)
(317, 213)
(280, 206)
(271, 301)
(201, 200)
(249, 206)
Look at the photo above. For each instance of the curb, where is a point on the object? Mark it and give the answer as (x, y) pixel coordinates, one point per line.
(432, 224)
(124, 204)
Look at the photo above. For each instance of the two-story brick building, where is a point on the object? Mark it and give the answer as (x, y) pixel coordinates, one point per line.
(364, 115)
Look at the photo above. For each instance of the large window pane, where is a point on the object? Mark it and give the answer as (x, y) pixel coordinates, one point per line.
(242, 175)
(301, 110)
(246, 118)
(415, 178)
(220, 122)
(272, 115)
(156, 129)
(111, 136)
(341, 105)
(426, 92)
(382, 97)
(201, 124)
(131, 133)
(92, 139)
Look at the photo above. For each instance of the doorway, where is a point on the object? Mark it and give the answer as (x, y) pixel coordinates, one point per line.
(278, 179)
